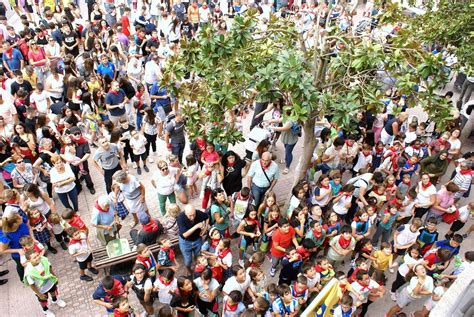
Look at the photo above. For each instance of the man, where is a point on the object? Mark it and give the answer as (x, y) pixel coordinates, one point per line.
(152, 72)
(83, 152)
(362, 183)
(263, 175)
(12, 58)
(331, 158)
(108, 159)
(115, 102)
(106, 68)
(21, 83)
(174, 136)
(103, 219)
(149, 231)
(192, 226)
(240, 281)
(71, 41)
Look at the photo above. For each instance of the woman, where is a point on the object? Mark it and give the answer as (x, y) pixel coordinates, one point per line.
(164, 181)
(440, 144)
(455, 144)
(185, 298)
(23, 174)
(444, 201)
(96, 14)
(462, 176)
(39, 200)
(169, 222)
(54, 85)
(134, 193)
(289, 139)
(63, 181)
(220, 212)
(420, 285)
(43, 163)
(142, 286)
(392, 128)
(23, 142)
(234, 170)
(435, 166)
(262, 147)
(426, 196)
(6, 130)
(37, 59)
(53, 52)
(14, 227)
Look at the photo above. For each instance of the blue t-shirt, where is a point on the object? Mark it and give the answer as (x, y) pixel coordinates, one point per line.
(14, 63)
(156, 90)
(101, 294)
(445, 245)
(114, 99)
(390, 221)
(108, 69)
(12, 239)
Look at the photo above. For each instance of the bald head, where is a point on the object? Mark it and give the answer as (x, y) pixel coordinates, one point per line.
(266, 158)
(190, 211)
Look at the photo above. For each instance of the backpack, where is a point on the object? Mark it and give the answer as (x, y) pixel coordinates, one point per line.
(296, 129)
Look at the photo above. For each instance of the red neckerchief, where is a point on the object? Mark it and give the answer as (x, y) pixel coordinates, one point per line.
(416, 147)
(407, 183)
(379, 151)
(366, 251)
(99, 208)
(229, 307)
(117, 289)
(114, 92)
(347, 194)
(201, 144)
(74, 241)
(348, 145)
(229, 164)
(215, 242)
(390, 186)
(295, 293)
(303, 252)
(465, 172)
(146, 261)
(165, 283)
(425, 187)
(364, 287)
(34, 221)
(316, 234)
(442, 141)
(118, 313)
(77, 222)
(151, 226)
(81, 140)
(252, 221)
(9, 53)
(325, 187)
(265, 167)
(170, 252)
(12, 201)
(343, 242)
(199, 268)
(222, 253)
(217, 273)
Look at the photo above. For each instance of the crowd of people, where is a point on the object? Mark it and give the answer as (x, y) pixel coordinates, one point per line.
(81, 88)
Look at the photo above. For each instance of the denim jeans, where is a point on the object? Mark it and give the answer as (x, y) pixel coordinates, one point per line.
(178, 149)
(189, 249)
(258, 193)
(71, 195)
(289, 154)
(162, 201)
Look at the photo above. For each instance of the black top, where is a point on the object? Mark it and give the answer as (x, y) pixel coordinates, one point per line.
(232, 182)
(184, 224)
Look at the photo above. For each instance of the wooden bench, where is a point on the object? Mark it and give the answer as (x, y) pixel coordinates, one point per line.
(102, 260)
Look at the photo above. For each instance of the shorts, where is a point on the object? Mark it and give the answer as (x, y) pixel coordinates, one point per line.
(143, 156)
(83, 265)
(404, 298)
(160, 111)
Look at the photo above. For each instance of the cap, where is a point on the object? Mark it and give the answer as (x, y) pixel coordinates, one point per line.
(75, 130)
(144, 218)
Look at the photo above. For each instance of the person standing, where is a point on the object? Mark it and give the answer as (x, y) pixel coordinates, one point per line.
(175, 137)
(192, 226)
(105, 219)
(263, 175)
(115, 102)
(63, 181)
(108, 159)
(134, 193)
(289, 138)
(83, 152)
(164, 181)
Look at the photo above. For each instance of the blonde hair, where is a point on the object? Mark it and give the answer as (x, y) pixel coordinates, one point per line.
(9, 194)
(173, 210)
(55, 219)
(55, 158)
(11, 223)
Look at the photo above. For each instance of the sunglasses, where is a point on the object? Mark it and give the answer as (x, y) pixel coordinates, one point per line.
(164, 169)
(77, 133)
(18, 162)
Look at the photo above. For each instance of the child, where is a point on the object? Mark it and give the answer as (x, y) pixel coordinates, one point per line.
(285, 304)
(39, 275)
(224, 257)
(258, 282)
(146, 258)
(307, 249)
(335, 182)
(325, 270)
(232, 304)
(74, 220)
(428, 235)
(202, 263)
(216, 268)
(312, 278)
(41, 229)
(405, 184)
(137, 143)
(249, 233)
(255, 261)
(408, 207)
(299, 290)
(383, 259)
(57, 226)
(316, 233)
(378, 155)
(298, 195)
(390, 187)
(360, 264)
(384, 228)
(360, 225)
(80, 248)
(270, 295)
(291, 266)
(346, 288)
(379, 193)
(210, 245)
(122, 307)
(436, 261)
(70, 157)
(410, 168)
(342, 202)
(322, 194)
(405, 236)
(363, 249)
(457, 225)
(316, 214)
(270, 225)
(346, 307)
(166, 256)
(364, 160)
(191, 171)
(239, 204)
(165, 285)
(29, 244)
(410, 260)
(341, 246)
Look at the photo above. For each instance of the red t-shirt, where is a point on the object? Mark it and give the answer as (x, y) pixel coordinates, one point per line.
(209, 157)
(125, 25)
(284, 240)
(432, 258)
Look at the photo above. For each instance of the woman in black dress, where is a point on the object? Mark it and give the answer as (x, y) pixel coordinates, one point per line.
(234, 170)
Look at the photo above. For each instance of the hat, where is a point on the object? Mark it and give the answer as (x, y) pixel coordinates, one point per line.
(144, 218)
(75, 130)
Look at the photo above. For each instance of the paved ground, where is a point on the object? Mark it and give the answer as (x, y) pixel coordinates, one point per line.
(17, 300)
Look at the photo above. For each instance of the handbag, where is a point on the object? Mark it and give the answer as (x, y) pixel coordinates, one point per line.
(449, 218)
(122, 210)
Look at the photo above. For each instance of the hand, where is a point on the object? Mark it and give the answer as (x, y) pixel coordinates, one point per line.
(199, 225)
(190, 308)
(108, 228)
(42, 297)
(109, 305)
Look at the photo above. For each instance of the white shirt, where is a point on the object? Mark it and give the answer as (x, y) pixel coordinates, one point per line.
(363, 161)
(152, 72)
(464, 213)
(406, 236)
(164, 295)
(227, 260)
(41, 101)
(57, 177)
(213, 284)
(138, 145)
(80, 247)
(410, 136)
(428, 285)
(408, 264)
(364, 291)
(55, 84)
(204, 15)
(339, 206)
(424, 195)
(232, 285)
(165, 183)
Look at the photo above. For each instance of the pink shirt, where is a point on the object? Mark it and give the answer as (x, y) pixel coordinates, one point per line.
(445, 198)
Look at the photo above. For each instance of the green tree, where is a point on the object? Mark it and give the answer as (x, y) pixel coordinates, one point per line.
(339, 75)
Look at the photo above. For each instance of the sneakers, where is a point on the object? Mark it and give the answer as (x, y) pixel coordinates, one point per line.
(59, 302)
(272, 272)
(393, 296)
(391, 270)
(139, 171)
(93, 270)
(134, 165)
(49, 313)
(151, 160)
(146, 168)
(86, 278)
(285, 171)
(52, 250)
(63, 245)
(241, 263)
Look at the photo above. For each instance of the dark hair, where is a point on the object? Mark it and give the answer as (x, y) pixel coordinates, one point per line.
(165, 311)
(432, 220)
(206, 274)
(235, 296)
(282, 222)
(308, 244)
(346, 229)
(283, 289)
(236, 269)
(360, 274)
(33, 189)
(168, 274)
(457, 238)
(214, 194)
(339, 141)
(190, 160)
(108, 282)
(469, 255)
(261, 146)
